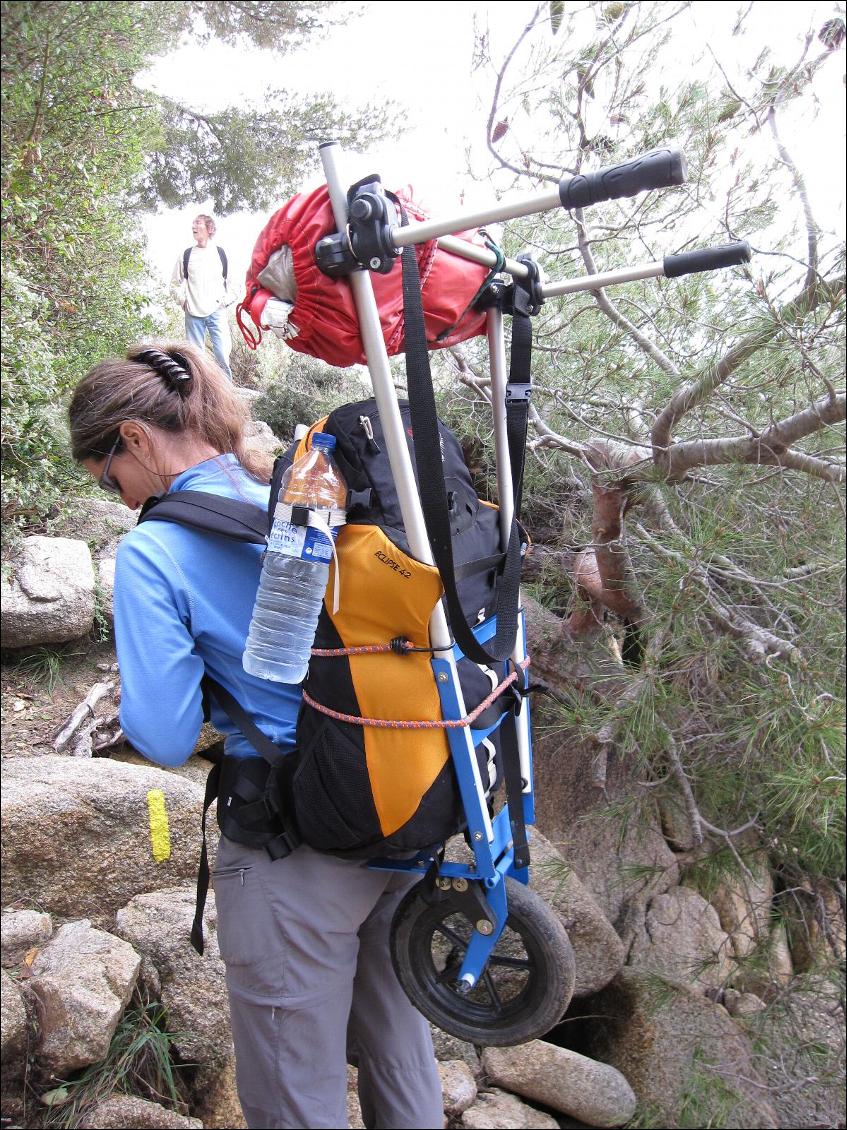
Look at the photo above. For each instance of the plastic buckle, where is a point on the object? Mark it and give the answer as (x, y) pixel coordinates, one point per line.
(283, 845)
(518, 392)
(299, 515)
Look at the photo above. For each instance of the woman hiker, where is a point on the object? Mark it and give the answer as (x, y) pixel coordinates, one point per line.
(304, 938)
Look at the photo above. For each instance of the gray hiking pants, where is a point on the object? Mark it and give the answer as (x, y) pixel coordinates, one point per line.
(305, 942)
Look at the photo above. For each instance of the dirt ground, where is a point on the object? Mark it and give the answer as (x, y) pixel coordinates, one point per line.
(41, 687)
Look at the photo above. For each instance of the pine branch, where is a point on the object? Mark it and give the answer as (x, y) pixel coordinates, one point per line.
(760, 644)
(701, 387)
(770, 447)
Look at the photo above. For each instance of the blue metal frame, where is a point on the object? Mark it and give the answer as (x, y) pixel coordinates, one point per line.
(494, 857)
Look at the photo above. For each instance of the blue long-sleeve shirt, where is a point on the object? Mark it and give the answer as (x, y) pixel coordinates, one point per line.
(183, 602)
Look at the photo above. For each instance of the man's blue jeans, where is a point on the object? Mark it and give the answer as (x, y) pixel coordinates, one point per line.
(217, 327)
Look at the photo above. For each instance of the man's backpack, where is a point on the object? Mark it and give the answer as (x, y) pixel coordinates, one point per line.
(186, 255)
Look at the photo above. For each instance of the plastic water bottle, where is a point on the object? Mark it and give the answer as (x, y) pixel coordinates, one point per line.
(295, 570)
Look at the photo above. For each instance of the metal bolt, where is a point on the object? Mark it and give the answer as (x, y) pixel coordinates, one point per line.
(460, 884)
(484, 927)
(375, 263)
(477, 836)
(442, 676)
(443, 884)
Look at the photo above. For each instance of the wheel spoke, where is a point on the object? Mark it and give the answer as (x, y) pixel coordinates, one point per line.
(451, 935)
(511, 962)
(488, 981)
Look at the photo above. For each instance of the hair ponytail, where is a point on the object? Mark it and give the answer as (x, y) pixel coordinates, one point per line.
(172, 386)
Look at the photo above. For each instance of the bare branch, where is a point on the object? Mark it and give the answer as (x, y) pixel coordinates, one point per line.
(681, 778)
(812, 229)
(770, 447)
(489, 129)
(642, 341)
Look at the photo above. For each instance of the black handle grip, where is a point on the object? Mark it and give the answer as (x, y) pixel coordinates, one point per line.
(707, 259)
(660, 168)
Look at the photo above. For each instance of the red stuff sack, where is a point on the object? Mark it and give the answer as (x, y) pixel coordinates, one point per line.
(323, 321)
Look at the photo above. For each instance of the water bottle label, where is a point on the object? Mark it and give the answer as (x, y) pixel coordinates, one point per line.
(299, 541)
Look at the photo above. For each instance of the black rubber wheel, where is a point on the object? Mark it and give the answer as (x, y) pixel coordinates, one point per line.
(525, 987)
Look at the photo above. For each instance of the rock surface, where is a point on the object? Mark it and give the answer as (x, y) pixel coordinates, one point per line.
(683, 940)
(21, 931)
(106, 585)
(449, 1047)
(743, 903)
(620, 857)
(13, 1030)
(102, 521)
(354, 1107)
(128, 1112)
(458, 1086)
(216, 1096)
(800, 1039)
(592, 1092)
(683, 1055)
(193, 989)
(82, 979)
(260, 437)
(76, 837)
(50, 598)
(498, 1110)
(598, 951)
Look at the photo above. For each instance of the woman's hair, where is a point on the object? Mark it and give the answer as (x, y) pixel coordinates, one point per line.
(175, 387)
(211, 227)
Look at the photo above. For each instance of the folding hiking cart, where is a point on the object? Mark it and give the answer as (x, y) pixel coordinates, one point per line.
(477, 952)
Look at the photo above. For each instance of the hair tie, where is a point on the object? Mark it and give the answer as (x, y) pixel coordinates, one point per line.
(171, 367)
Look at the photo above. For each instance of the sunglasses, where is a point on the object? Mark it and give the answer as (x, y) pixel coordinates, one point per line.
(106, 482)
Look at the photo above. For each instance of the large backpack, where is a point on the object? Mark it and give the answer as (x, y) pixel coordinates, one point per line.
(372, 774)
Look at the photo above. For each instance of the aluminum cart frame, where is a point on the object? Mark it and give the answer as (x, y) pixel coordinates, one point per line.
(461, 996)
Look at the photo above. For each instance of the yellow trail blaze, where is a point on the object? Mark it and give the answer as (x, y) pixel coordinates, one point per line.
(160, 836)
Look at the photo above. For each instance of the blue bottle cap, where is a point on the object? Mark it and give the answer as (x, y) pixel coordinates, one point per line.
(323, 439)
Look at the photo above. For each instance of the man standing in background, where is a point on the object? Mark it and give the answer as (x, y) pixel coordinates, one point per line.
(200, 286)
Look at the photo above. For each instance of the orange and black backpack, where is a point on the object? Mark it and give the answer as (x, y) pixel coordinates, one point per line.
(374, 773)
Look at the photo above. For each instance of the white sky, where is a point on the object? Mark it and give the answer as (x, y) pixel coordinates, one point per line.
(423, 60)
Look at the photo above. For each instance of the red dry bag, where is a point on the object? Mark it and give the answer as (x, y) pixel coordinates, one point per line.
(323, 321)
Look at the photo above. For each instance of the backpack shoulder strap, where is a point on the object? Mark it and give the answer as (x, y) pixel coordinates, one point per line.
(186, 255)
(224, 262)
(227, 517)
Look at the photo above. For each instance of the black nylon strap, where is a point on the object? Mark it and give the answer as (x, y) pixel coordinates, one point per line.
(212, 788)
(210, 513)
(433, 492)
(255, 809)
(514, 787)
(240, 718)
(517, 398)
